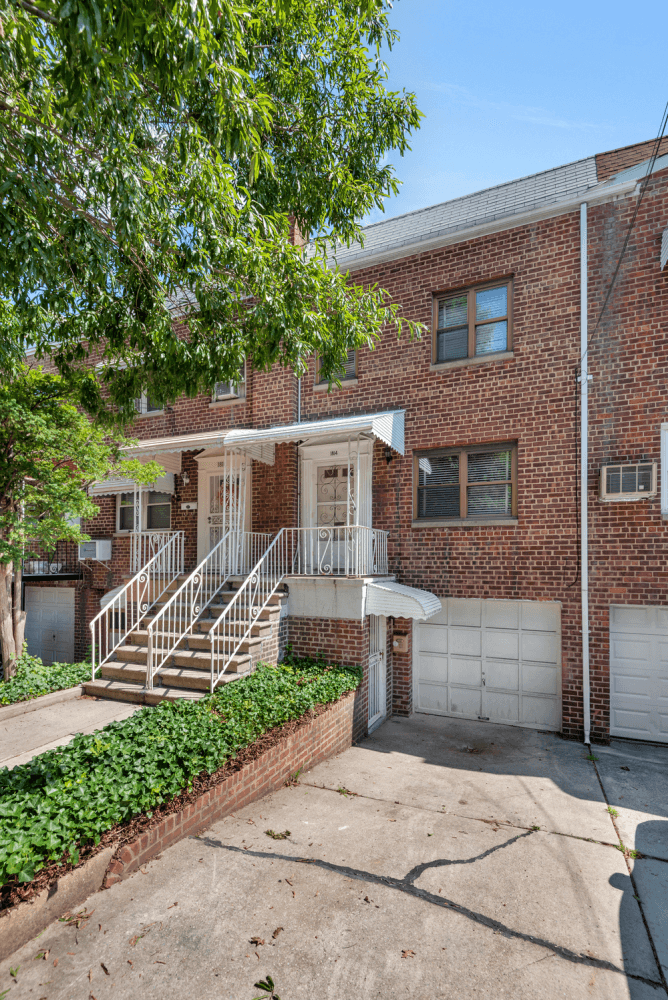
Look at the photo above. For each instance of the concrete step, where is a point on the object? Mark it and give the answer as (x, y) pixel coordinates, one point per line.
(196, 660)
(193, 641)
(269, 614)
(116, 690)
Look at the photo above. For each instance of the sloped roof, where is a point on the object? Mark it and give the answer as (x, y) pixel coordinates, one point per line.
(503, 201)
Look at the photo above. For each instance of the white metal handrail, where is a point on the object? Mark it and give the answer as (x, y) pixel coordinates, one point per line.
(344, 551)
(111, 626)
(231, 556)
(145, 544)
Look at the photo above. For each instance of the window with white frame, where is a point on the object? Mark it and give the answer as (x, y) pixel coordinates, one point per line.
(231, 389)
(146, 407)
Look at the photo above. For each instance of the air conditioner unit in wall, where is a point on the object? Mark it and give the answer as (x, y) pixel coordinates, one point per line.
(627, 481)
(97, 548)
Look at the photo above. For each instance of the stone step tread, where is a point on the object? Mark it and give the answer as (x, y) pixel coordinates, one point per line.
(127, 691)
(139, 637)
(202, 661)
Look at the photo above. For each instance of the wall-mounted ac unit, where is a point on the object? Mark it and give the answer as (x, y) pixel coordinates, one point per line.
(628, 481)
(97, 548)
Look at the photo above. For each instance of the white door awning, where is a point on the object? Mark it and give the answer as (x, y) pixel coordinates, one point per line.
(113, 486)
(387, 427)
(385, 597)
(259, 443)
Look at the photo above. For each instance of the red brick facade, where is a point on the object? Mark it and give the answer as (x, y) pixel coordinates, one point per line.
(529, 398)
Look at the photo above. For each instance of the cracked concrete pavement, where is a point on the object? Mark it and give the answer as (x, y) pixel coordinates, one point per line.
(413, 868)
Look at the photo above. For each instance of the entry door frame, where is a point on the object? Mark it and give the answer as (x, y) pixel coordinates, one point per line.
(336, 453)
(210, 464)
(377, 693)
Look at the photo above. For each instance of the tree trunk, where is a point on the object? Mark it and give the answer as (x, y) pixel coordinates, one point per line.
(7, 638)
(18, 616)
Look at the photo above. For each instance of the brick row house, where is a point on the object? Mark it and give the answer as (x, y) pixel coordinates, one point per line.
(423, 520)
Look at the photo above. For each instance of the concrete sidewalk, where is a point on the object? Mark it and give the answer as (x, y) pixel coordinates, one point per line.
(22, 737)
(411, 866)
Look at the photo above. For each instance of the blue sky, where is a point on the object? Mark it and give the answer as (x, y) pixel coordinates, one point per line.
(509, 90)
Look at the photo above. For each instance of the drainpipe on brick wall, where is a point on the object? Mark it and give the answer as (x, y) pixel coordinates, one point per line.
(584, 465)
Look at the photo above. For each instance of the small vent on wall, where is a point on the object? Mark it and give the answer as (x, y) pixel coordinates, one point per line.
(628, 482)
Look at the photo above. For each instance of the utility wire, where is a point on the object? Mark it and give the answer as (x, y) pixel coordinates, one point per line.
(643, 188)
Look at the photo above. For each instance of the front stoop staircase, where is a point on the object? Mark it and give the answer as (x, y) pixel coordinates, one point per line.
(187, 671)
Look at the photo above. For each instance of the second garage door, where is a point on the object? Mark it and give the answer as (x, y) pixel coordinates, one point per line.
(639, 672)
(50, 623)
(494, 660)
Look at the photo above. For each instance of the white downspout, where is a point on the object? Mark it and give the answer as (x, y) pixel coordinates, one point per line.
(584, 465)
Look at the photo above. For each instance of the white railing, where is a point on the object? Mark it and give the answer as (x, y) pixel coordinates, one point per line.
(122, 614)
(342, 551)
(232, 556)
(346, 551)
(145, 544)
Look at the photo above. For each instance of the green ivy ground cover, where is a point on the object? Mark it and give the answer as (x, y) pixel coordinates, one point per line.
(68, 797)
(34, 678)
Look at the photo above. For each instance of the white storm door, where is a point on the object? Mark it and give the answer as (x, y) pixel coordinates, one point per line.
(223, 499)
(50, 623)
(377, 670)
(496, 661)
(639, 672)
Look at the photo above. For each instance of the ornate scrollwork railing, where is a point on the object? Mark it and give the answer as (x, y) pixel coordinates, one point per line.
(233, 555)
(112, 625)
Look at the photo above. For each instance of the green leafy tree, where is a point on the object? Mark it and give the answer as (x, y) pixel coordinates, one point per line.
(49, 453)
(155, 152)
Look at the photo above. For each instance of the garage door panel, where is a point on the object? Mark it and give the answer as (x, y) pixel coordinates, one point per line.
(631, 617)
(501, 707)
(491, 662)
(540, 712)
(433, 639)
(502, 614)
(502, 645)
(464, 612)
(434, 668)
(433, 698)
(639, 671)
(630, 648)
(541, 616)
(543, 648)
(630, 684)
(502, 675)
(467, 672)
(466, 702)
(540, 680)
(466, 641)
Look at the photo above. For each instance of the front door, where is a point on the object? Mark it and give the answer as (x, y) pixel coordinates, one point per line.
(377, 673)
(223, 499)
(336, 498)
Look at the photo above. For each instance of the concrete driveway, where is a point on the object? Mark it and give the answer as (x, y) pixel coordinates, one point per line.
(413, 868)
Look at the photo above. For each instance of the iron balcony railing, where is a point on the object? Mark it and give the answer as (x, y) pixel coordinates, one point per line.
(145, 544)
(347, 551)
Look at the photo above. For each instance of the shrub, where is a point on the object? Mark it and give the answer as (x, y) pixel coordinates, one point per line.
(34, 678)
(68, 797)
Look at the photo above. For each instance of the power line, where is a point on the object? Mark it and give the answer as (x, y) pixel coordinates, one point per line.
(643, 188)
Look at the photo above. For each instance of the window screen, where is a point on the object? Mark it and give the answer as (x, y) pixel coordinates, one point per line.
(466, 484)
(158, 511)
(126, 521)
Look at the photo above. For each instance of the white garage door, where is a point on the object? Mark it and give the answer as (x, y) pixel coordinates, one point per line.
(639, 672)
(494, 660)
(50, 623)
